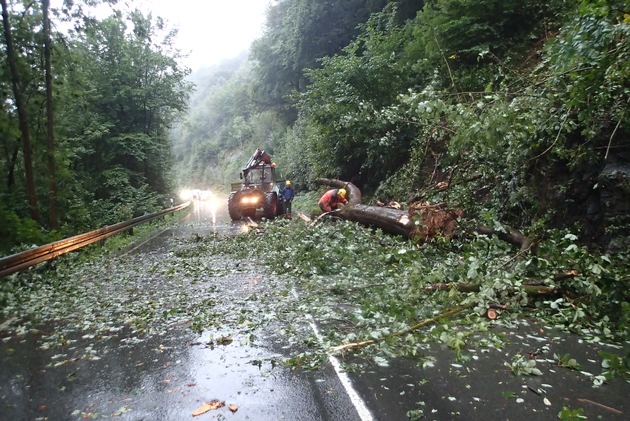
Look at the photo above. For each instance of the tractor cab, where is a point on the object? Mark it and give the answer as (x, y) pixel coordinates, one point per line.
(258, 189)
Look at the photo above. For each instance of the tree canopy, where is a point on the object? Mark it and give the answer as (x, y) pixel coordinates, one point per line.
(116, 89)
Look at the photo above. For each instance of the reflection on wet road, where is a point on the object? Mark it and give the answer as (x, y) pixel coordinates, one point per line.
(169, 374)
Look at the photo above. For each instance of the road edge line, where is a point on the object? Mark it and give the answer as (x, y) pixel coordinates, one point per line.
(359, 404)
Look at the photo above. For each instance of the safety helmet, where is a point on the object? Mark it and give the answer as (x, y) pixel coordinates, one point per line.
(287, 183)
(342, 193)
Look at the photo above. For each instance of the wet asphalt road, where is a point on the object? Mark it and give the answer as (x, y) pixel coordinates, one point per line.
(169, 376)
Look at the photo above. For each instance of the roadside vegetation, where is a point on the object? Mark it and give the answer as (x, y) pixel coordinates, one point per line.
(88, 144)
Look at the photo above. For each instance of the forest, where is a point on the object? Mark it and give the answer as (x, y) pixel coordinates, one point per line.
(84, 120)
(520, 107)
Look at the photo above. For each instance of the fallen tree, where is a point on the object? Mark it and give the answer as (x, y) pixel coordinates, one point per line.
(421, 222)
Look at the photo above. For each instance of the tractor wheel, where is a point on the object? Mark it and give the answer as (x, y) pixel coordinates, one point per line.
(233, 209)
(270, 208)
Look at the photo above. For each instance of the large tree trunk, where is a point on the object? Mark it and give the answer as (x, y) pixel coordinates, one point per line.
(393, 221)
(12, 162)
(21, 109)
(50, 138)
(421, 222)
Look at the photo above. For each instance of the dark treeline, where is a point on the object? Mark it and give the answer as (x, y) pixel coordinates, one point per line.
(86, 108)
(519, 107)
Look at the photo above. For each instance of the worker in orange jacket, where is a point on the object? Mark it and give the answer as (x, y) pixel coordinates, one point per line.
(332, 199)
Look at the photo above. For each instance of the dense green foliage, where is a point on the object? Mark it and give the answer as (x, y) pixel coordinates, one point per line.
(117, 88)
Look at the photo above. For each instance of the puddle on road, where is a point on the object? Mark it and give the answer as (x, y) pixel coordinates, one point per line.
(161, 377)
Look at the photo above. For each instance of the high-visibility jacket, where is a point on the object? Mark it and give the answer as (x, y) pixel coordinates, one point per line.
(330, 200)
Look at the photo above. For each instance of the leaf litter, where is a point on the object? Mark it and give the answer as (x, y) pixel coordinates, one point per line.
(372, 291)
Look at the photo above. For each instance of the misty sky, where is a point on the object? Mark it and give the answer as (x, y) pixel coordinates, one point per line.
(209, 30)
(212, 30)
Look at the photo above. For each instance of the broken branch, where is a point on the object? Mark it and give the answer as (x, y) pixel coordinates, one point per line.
(425, 322)
(515, 238)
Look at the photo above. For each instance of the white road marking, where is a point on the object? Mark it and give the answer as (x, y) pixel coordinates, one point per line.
(359, 404)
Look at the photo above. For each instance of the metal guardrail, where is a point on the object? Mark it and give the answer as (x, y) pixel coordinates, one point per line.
(28, 258)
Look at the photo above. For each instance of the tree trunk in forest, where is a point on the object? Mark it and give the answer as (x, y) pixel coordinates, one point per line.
(12, 162)
(50, 138)
(21, 109)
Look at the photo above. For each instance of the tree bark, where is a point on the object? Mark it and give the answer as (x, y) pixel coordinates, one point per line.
(515, 238)
(50, 138)
(21, 110)
(393, 221)
(12, 161)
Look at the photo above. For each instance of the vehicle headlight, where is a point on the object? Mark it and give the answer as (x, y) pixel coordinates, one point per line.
(249, 200)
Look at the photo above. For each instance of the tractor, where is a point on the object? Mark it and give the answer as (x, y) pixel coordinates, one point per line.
(259, 189)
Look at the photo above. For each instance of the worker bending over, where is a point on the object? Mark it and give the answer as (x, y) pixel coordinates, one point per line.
(332, 199)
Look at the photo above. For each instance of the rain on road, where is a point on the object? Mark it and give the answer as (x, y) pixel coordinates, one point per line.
(136, 357)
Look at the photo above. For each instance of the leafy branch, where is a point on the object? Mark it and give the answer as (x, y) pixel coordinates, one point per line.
(426, 322)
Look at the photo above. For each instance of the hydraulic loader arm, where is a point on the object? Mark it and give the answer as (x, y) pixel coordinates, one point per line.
(258, 157)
